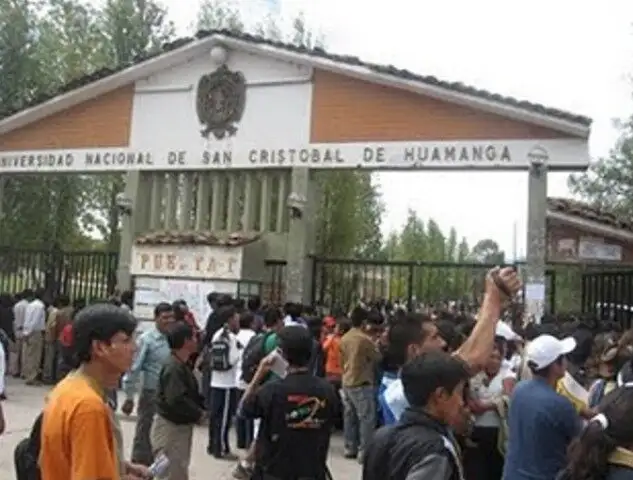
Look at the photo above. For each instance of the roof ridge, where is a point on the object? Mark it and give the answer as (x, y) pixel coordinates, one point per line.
(589, 211)
(318, 52)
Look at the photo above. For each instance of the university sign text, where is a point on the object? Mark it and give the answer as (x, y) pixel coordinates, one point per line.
(509, 155)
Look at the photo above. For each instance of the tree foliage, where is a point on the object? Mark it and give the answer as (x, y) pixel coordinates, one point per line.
(219, 14)
(437, 274)
(44, 45)
(608, 183)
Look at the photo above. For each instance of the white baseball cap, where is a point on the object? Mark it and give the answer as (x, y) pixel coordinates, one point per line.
(504, 330)
(546, 349)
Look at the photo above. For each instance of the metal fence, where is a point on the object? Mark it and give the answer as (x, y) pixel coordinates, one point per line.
(274, 287)
(609, 294)
(81, 274)
(342, 282)
(603, 289)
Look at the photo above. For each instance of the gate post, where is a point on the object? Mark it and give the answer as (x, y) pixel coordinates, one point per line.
(301, 205)
(127, 204)
(3, 180)
(536, 241)
(411, 280)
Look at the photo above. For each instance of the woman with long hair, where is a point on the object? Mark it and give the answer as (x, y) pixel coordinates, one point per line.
(604, 449)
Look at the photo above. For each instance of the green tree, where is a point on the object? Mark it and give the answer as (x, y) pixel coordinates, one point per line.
(133, 29)
(608, 183)
(39, 210)
(219, 14)
(436, 277)
(18, 85)
(487, 251)
(373, 208)
(450, 255)
(464, 284)
(413, 246)
(608, 186)
(18, 65)
(73, 39)
(69, 40)
(436, 273)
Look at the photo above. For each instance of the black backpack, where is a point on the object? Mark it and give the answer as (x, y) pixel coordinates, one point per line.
(219, 353)
(317, 361)
(27, 453)
(254, 353)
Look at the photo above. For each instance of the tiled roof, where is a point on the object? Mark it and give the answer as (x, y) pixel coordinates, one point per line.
(195, 238)
(586, 211)
(318, 53)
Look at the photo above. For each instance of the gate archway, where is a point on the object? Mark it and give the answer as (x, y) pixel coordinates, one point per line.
(218, 136)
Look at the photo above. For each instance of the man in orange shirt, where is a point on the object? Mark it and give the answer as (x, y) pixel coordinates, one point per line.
(332, 350)
(79, 440)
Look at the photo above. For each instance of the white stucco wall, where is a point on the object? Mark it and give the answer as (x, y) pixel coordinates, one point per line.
(276, 115)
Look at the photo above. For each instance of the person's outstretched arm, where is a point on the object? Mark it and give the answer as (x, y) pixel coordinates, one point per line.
(501, 285)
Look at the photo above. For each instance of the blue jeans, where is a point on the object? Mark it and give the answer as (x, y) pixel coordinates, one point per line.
(359, 417)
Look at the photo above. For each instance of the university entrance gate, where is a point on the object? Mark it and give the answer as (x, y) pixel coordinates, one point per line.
(221, 137)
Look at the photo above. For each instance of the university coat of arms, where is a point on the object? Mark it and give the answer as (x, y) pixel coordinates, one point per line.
(220, 102)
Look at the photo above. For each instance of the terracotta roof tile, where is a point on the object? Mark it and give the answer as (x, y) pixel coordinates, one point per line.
(195, 238)
(314, 52)
(589, 212)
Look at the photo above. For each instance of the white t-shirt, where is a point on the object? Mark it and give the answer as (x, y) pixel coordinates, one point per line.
(19, 309)
(515, 362)
(227, 379)
(485, 393)
(243, 337)
(34, 317)
(289, 322)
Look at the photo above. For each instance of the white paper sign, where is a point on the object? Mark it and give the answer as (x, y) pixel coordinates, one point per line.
(535, 292)
(150, 291)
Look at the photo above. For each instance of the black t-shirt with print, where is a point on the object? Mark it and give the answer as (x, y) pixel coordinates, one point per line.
(297, 414)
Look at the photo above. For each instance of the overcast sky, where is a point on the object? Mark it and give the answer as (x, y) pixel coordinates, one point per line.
(567, 54)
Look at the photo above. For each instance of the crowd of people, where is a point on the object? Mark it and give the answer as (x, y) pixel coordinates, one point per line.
(438, 394)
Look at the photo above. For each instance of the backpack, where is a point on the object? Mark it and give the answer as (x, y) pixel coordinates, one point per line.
(27, 453)
(253, 354)
(66, 336)
(219, 353)
(317, 360)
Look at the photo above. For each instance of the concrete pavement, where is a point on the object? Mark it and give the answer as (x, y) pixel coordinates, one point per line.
(24, 404)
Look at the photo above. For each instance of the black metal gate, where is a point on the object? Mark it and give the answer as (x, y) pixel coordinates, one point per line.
(343, 282)
(82, 274)
(609, 294)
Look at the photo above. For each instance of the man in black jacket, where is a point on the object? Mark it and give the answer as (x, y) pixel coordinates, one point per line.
(421, 446)
(179, 405)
